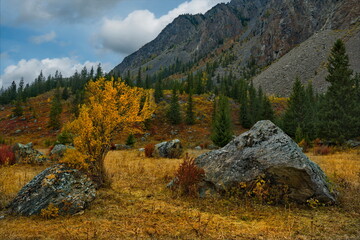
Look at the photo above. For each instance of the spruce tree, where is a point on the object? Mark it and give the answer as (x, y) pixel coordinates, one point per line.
(296, 110)
(65, 94)
(338, 115)
(244, 112)
(267, 110)
(158, 93)
(190, 118)
(18, 110)
(55, 111)
(139, 82)
(173, 113)
(130, 141)
(221, 127)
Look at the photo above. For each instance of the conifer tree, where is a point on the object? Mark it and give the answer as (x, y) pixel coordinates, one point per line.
(190, 118)
(221, 127)
(268, 112)
(173, 113)
(130, 141)
(55, 111)
(338, 115)
(244, 112)
(296, 110)
(158, 93)
(18, 110)
(139, 82)
(65, 94)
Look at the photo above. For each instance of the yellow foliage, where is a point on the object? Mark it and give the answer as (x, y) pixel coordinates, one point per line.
(110, 107)
(75, 159)
(50, 212)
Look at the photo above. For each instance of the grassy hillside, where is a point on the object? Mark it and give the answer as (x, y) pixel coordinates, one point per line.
(138, 206)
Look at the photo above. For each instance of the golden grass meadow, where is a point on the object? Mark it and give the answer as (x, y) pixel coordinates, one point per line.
(139, 206)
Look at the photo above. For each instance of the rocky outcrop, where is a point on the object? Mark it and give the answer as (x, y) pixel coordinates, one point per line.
(59, 150)
(265, 150)
(25, 153)
(68, 190)
(170, 149)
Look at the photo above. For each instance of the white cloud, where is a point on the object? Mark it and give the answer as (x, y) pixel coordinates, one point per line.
(41, 11)
(48, 37)
(30, 69)
(139, 27)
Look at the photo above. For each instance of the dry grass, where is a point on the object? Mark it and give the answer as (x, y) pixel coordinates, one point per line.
(138, 206)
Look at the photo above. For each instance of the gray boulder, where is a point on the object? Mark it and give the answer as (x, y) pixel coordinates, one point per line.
(67, 189)
(59, 150)
(122, 147)
(265, 150)
(25, 153)
(170, 149)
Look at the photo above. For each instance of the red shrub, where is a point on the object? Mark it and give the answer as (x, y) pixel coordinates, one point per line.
(149, 150)
(322, 150)
(188, 176)
(7, 156)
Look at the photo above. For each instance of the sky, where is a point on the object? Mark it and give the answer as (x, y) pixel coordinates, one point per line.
(66, 35)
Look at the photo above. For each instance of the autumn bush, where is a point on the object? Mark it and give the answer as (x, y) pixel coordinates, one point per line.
(7, 156)
(322, 150)
(75, 159)
(188, 176)
(149, 150)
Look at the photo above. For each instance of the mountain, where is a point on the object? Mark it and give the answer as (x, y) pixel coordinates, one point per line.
(249, 30)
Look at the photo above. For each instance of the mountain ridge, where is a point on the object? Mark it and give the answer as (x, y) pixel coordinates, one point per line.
(264, 30)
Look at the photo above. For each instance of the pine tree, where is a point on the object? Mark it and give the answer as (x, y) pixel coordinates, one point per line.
(18, 110)
(130, 141)
(55, 111)
(268, 112)
(338, 115)
(244, 112)
(65, 94)
(295, 113)
(221, 127)
(190, 118)
(139, 82)
(158, 93)
(173, 113)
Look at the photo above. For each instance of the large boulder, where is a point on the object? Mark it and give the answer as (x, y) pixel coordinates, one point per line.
(25, 153)
(265, 150)
(67, 189)
(170, 149)
(59, 150)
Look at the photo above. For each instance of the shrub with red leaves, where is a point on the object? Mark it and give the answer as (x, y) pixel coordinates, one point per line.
(149, 150)
(322, 150)
(7, 156)
(188, 176)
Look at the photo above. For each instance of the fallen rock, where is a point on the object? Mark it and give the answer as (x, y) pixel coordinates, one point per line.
(67, 189)
(25, 153)
(197, 148)
(265, 150)
(59, 150)
(170, 149)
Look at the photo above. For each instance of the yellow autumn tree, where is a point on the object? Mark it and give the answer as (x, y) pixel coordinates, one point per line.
(110, 107)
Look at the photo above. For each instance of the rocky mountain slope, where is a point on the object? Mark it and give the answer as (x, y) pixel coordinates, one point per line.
(264, 30)
(308, 62)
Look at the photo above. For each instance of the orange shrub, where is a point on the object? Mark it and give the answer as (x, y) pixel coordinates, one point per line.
(7, 156)
(322, 150)
(149, 150)
(188, 176)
